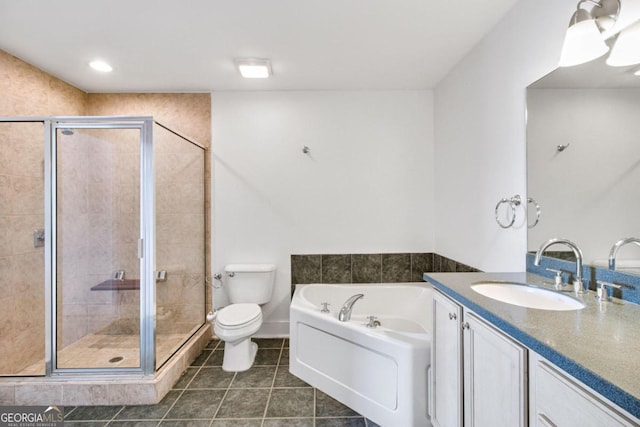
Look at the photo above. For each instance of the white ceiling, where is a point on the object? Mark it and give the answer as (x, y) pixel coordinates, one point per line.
(189, 45)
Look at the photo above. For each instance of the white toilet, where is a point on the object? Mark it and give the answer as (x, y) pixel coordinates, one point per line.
(247, 285)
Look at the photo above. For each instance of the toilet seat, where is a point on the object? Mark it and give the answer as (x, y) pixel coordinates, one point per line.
(237, 316)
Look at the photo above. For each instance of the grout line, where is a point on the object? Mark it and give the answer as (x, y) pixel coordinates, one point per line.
(186, 386)
(410, 268)
(114, 416)
(223, 397)
(350, 268)
(66, 414)
(273, 381)
(315, 394)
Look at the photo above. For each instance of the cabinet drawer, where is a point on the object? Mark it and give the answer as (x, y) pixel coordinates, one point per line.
(560, 401)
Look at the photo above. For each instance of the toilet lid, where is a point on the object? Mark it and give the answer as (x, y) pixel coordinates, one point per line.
(238, 314)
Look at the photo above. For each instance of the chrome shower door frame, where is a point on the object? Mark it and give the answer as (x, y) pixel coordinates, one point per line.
(146, 240)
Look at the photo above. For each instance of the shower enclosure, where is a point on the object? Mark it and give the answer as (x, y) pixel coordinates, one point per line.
(102, 245)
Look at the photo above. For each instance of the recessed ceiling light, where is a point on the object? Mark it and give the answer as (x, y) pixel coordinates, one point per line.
(99, 65)
(252, 68)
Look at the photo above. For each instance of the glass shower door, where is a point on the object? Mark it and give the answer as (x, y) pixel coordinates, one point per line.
(180, 240)
(97, 231)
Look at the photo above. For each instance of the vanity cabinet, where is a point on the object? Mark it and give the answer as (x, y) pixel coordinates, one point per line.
(479, 374)
(557, 400)
(446, 363)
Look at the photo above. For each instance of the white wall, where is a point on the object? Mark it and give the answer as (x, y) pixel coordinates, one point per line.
(480, 134)
(585, 191)
(366, 186)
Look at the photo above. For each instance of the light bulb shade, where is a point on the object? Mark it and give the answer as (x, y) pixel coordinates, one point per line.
(626, 50)
(582, 43)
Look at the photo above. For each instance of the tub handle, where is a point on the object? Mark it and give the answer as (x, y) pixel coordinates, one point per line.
(453, 316)
(325, 308)
(373, 322)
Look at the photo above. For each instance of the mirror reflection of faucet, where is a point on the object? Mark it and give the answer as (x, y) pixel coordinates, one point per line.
(614, 249)
(604, 290)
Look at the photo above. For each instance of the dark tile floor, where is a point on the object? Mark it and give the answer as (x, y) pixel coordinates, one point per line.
(266, 395)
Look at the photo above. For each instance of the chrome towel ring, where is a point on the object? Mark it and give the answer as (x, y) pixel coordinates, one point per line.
(538, 211)
(513, 203)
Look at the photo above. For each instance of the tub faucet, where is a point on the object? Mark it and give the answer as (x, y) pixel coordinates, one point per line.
(578, 285)
(618, 245)
(345, 311)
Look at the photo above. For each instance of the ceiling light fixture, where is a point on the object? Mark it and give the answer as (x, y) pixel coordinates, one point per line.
(626, 51)
(253, 68)
(637, 72)
(584, 41)
(101, 66)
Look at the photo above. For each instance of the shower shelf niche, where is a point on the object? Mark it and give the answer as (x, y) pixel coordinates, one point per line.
(117, 285)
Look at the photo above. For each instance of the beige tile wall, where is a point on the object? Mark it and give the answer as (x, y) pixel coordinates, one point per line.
(98, 215)
(27, 91)
(190, 114)
(180, 232)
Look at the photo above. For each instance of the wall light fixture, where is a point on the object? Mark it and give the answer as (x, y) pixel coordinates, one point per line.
(584, 41)
(626, 50)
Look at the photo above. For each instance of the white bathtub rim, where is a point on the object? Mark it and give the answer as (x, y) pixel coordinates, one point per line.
(410, 352)
(299, 302)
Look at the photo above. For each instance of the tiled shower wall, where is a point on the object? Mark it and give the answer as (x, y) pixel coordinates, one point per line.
(27, 91)
(190, 114)
(21, 264)
(180, 232)
(85, 179)
(369, 268)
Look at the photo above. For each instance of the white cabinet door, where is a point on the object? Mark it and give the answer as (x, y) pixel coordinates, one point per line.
(446, 363)
(495, 376)
(556, 400)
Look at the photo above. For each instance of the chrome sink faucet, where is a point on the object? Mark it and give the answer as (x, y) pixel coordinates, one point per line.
(578, 285)
(345, 311)
(618, 245)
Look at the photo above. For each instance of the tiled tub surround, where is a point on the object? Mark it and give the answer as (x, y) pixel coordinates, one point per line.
(598, 345)
(369, 268)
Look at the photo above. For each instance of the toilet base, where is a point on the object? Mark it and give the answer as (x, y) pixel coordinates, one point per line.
(239, 356)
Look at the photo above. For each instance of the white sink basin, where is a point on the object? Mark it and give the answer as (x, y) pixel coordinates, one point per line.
(527, 296)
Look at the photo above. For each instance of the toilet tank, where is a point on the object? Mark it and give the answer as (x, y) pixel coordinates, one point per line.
(250, 282)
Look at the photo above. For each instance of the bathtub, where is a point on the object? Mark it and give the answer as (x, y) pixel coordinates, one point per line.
(380, 372)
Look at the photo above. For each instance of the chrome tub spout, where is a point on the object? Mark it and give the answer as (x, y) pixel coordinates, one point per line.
(345, 311)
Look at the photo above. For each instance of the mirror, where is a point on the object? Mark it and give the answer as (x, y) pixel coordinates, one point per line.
(583, 161)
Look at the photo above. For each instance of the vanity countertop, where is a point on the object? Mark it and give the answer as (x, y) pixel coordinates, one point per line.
(599, 345)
